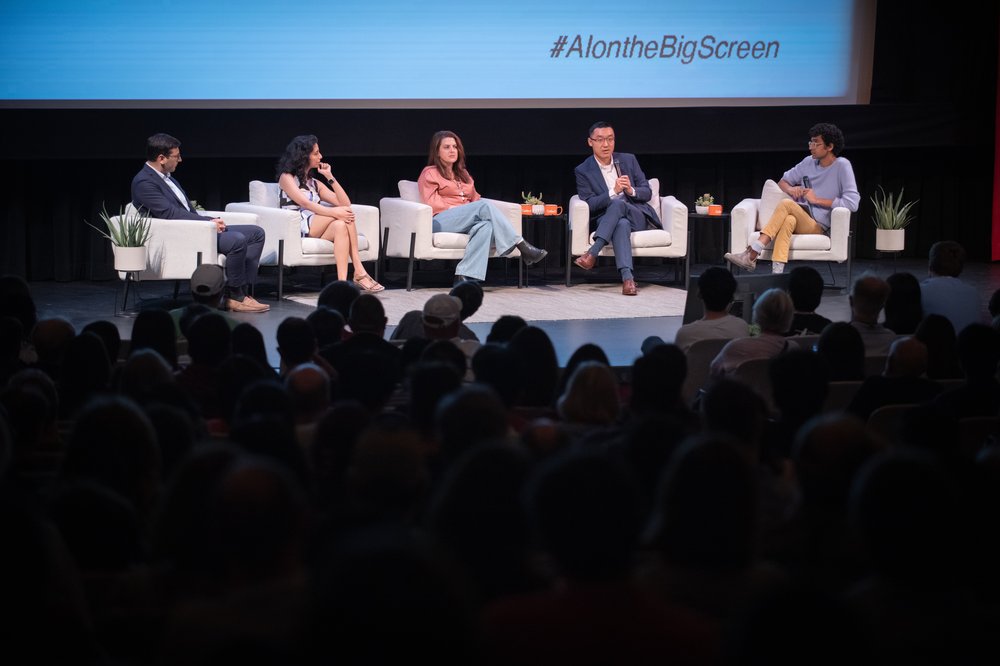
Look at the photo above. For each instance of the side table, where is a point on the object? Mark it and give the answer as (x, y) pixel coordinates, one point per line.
(548, 232)
(697, 222)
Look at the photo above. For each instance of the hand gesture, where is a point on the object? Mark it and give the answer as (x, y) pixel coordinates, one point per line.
(220, 225)
(622, 183)
(344, 213)
(325, 170)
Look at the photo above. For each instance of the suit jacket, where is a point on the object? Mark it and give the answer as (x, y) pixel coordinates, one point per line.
(151, 194)
(591, 187)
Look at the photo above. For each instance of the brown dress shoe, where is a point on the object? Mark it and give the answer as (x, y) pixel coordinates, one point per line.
(628, 288)
(245, 306)
(586, 261)
(254, 301)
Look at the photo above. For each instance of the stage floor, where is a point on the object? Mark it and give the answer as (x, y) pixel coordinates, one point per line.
(84, 302)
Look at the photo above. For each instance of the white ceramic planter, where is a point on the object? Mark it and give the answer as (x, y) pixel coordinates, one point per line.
(538, 209)
(701, 210)
(890, 240)
(129, 258)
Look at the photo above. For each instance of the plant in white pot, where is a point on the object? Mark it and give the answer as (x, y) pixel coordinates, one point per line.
(891, 218)
(702, 203)
(128, 232)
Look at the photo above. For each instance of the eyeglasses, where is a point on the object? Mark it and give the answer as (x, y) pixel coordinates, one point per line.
(816, 142)
(603, 139)
(176, 156)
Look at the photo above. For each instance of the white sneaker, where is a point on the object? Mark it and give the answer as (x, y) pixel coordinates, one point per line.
(747, 259)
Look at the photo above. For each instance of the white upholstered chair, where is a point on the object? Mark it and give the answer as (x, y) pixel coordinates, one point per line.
(750, 215)
(670, 242)
(407, 225)
(285, 246)
(176, 247)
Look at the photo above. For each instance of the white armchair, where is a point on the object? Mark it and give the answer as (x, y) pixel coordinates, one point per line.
(285, 246)
(746, 221)
(670, 242)
(409, 232)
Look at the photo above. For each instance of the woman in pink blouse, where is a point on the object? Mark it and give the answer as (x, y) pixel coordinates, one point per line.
(447, 187)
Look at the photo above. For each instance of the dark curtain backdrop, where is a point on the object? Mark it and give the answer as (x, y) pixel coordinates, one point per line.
(928, 130)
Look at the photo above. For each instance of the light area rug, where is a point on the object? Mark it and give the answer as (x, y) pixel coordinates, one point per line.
(543, 303)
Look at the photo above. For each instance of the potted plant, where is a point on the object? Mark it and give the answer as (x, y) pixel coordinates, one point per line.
(891, 218)
(532, 205)
(128, 232)
(702, 203)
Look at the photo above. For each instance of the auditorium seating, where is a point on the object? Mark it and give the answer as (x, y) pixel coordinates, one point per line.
(407, 225)
(285, 246)
(670, 242)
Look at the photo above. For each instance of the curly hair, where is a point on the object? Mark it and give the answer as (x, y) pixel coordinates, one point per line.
(831, 134)
(296, 157)
(458, 169)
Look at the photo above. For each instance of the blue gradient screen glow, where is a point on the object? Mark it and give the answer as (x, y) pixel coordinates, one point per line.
(436, 51)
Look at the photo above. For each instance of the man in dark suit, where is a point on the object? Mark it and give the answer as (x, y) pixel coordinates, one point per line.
(154, 191)
(617, 192)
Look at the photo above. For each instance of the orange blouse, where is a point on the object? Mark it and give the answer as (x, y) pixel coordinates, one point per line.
(441, 194)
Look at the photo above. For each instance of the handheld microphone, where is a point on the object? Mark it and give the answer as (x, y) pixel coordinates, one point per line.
(808, 185)
(618, 169)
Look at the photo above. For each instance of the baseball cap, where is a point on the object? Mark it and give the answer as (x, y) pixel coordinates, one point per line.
(208, 280)
(441, 310)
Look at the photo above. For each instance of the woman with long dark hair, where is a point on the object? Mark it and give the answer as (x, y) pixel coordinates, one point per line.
(308, 186)
(447, 187)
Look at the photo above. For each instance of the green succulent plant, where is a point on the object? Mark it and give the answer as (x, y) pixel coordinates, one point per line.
(529, 198)
(129, 228)
(890, 211)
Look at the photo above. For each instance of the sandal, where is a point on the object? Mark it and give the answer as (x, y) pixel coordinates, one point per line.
(368, 283)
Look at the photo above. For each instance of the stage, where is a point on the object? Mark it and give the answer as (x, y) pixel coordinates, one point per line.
(620, 337)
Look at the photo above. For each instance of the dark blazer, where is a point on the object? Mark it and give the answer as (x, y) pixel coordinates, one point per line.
(151, 194)
(591, 187)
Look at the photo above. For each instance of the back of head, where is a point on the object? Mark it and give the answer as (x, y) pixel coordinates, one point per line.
(441, 316)
(327, 324)
(338, 295)
(828, 452)
(947, 258)
(585, 352)
(907, 358)
(979, 351)
(308, 388)
(868, 296)
(716, 286)
(296, 341)
(844, 349)
(805, 287)
(773, 311)
(903, 309)
(209, 339)
(472, 415)
(430, 382)
(367, 315)
(657, 378)
(706, 512)
(585, 509)
(109, 335)
(591, 395)
(249, 341)
(537, 364)
(491, 365)
(155, 329)
(208, 282)
(51, 337)
(471, 295)
(16, 301)
(938, 333)
(505, 327)
(733, 408)
(799, 382)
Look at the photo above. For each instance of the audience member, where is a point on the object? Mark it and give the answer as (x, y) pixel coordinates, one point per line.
(772, 312)
(903, 310)
(442, 318)
(469, 292)
(903, 382)
(296, 343)
(591, 398)
(716, 287)
(841, 345)
(538, 368)
(805, 287)
(155, 329)
(249, 341)
(938, 334)
(50, 339)
(585, 352)
(110, 336)
(367, 321)
(979, 355)
(867, 298)
(338, 295)
(308, 388)
(327, 324)
(943, 293)
(505, 327)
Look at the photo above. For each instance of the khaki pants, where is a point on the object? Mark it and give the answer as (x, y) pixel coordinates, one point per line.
(789, 218)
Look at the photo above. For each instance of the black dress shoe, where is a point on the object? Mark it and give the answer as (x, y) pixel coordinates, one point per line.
(461, 278)
(531, 254)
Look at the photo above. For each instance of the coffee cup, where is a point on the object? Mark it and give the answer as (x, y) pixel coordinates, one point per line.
(552, 209)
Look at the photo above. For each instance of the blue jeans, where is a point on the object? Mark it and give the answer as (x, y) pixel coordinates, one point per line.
(486, 225)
